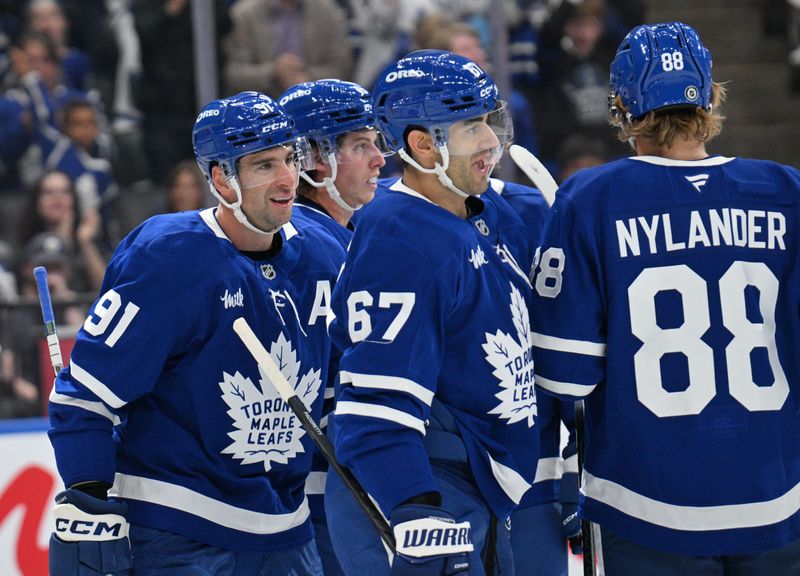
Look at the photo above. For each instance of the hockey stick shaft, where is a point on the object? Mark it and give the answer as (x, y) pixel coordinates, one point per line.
(40, 273)
(533, 168)
(287, 393)
(586, 525)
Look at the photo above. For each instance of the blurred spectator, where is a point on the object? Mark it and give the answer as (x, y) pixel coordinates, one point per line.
(436, 32)
(53, 207)
(47, 17)
(573, 98)
(186, 187)
(19, 397)
(794, 44)
(20, 377)
(579, 152)
(384, 29)
(165, 92)
(85, 157)
(275, 44)
(105, 30)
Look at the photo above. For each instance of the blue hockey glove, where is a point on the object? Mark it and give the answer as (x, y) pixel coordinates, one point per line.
(429, 542)
(90, 538)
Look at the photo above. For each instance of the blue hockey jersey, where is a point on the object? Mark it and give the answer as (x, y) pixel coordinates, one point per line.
(432, 316)
(556, 470)
(203, 445)
(667, 295)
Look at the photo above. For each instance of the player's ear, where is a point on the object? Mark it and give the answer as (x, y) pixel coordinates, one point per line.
(420, 145)
(222, 184)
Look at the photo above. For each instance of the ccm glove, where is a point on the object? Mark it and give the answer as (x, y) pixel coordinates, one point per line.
(571, 526)
(429, 542)
(90, 537)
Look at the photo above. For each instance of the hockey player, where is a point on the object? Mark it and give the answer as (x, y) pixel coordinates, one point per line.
(337, 119)
(667, 296)
(163, 401)
(435, 412)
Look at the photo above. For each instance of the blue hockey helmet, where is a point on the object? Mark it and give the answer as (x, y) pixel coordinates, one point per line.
(325, 109)
(661, 66)
(435, 89)
(430, 88)
(229, 128)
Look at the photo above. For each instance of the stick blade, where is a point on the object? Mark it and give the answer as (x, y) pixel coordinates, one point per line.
(533, 168)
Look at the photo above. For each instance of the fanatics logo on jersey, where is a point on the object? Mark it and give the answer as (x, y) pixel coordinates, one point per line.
(233, 300)
(477, 258)
(698, 181)
(482, 227)
(265, 427)
(512, 360)
(268, 271)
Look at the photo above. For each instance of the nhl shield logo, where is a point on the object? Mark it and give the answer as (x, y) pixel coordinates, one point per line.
(482, 227)
(268, 270)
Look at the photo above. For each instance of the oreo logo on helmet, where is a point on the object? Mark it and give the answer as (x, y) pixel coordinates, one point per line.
(395, 74)
(293, 95)
(208, 113)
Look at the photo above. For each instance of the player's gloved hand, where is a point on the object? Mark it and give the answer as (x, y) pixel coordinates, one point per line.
(571, 526)
(90, 537)
(429, 542)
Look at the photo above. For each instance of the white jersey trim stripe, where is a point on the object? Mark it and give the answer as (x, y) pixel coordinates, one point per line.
(315, 483)
(98, 388)
(387, 383)
(659, 160)
(382, 412)
(575, 390)
(211, 221)
(96, 407)
(189, 501)
(565, 345)
(693, 518)
(548, 469)
(571, 465)
(512, 483)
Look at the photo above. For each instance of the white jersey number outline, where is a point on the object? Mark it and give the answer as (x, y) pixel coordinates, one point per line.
(686, 338)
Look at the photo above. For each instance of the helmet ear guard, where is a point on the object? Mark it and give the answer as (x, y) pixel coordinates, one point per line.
(658, 67)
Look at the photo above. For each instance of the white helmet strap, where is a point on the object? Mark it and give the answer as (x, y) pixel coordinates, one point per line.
(439, 169)
(236, 207)
(327, 183)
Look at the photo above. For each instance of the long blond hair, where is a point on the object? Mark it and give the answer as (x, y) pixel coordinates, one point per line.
(662, 127)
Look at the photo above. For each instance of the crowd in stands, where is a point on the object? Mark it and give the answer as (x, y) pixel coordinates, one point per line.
(97, 99)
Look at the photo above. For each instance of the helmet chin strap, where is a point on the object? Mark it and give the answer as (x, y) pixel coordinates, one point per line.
(327, 183)
(236, 207)
(438, 169)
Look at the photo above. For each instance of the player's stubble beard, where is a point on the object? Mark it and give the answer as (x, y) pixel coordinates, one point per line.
(464, 175)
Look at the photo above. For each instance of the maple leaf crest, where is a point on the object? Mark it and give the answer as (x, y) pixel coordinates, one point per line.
(513, 365)
(265, 428)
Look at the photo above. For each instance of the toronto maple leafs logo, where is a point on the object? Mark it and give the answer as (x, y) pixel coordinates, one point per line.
(266, 428)
(513, 365)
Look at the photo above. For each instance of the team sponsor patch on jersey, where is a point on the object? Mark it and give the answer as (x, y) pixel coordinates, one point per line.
(513, 365)
(265, 427)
